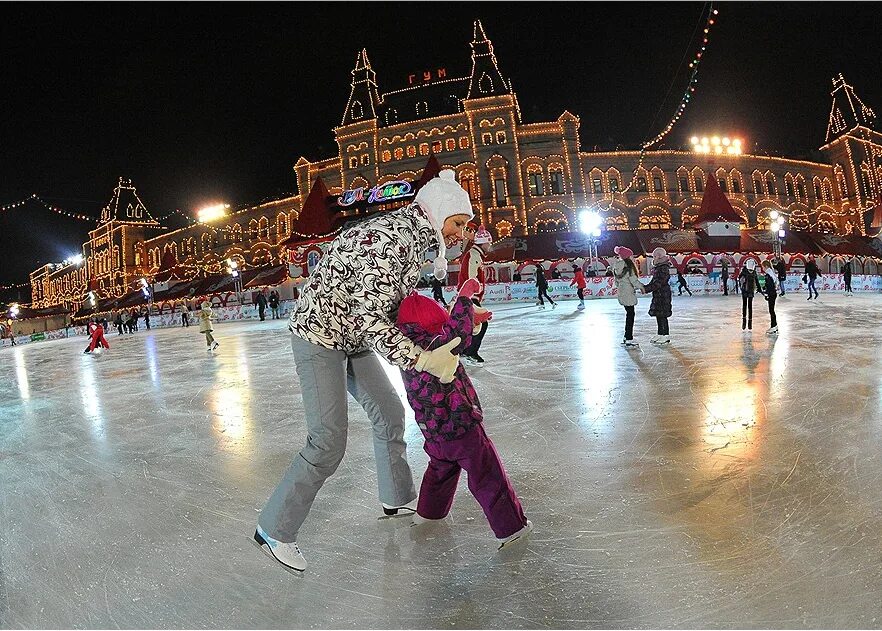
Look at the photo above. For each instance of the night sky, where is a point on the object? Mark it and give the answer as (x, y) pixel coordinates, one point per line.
(215, 102)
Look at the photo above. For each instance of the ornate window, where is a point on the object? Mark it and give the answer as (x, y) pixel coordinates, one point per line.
(555, 178)
(411, 151)
(464, 142)
(467, 181)
(398, 153)
(424, 148)
(436, 146)
(535, 181)
(386, 156)
(501, 138)
(486, 139)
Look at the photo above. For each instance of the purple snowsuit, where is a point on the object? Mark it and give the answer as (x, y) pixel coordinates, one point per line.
(450, 417)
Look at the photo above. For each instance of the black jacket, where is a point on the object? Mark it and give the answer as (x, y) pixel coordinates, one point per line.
(846, 269)
(771, 290)
(748, 282)
(782, 270)
(812, 269)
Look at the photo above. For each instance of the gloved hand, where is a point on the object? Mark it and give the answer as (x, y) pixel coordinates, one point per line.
(469, 288)
(482, 315)
(440, 362)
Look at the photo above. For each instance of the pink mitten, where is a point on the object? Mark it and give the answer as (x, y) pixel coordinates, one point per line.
(469, 288)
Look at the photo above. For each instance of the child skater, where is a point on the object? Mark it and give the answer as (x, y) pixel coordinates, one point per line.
(771, 294)
(681, 284)
(450, 417)
(579, 282)
(660, 286)
(96, 333)
(205, 325)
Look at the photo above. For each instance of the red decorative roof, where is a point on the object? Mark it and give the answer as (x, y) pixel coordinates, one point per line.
(314, 221)
(432, 169)
(715, 205)
(168, 268)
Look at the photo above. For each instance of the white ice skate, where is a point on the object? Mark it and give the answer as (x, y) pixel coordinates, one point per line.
(554, 305)
(419, 520)
(518, 536)
(772, 331)
(405, 510)
(661, 340)
(468, 360)
(581, 306)
(631, 344)
(214, 346)
(541, 307)
(287, 554)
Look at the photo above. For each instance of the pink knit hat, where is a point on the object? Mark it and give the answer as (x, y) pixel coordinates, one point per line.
(623, 252)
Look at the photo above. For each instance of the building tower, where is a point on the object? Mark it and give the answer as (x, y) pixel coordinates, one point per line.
(493, 116)
(357, 133)
(854, 148)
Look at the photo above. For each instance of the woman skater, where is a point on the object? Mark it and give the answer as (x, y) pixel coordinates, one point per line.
(749, 285)
(205, 327)
(660, 286)
(771, 293)
(627, 285)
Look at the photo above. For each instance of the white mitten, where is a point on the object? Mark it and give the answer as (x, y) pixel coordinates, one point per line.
(440, 362)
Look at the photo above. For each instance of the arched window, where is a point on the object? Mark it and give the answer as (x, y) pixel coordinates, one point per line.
(464, 142)
(467, 181)
(698, 178)
(436, 146)
(534, 178)
(770, 184)
(503, 229)
(386, 156)
(422, 108)
(616, 222)
(555, 179)
(501, 138)
(253, 233)
(683, 181)
(424, 149)
(263, 228)
(411, 151)
(237, 233)
(282, 226)
(398, 153)
(655, 218)
(451, 144)
(356, 110)
(486, 139)
(353, 162)
(391, 116)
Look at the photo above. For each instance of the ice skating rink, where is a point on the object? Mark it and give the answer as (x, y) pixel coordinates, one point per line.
(724, 481)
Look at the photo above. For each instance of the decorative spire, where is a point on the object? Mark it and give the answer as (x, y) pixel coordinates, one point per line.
(486, 79)
(126, 207)
(848, 111)
(363, 97)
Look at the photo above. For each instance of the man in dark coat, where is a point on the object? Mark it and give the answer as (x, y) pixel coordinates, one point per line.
(261, 305)
(724, 275)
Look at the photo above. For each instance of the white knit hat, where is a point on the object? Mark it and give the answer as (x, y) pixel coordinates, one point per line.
(443, 197)
(483, 236)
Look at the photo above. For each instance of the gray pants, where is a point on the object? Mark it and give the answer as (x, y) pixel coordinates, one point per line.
(325, 376)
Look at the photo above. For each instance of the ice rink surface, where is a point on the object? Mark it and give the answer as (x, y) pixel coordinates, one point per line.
(724, 481)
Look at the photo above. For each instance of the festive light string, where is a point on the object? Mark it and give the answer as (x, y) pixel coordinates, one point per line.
(684, 102)
(18, 286)
(693, 80)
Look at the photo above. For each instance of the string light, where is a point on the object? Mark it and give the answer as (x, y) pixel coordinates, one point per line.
(693, 81)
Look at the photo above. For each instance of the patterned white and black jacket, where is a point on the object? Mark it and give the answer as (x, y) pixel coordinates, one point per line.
(351, 300)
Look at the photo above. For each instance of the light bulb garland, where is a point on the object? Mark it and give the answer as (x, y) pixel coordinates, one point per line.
(693, 80)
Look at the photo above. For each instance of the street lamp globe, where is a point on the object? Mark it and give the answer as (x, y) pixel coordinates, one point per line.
(773, 215)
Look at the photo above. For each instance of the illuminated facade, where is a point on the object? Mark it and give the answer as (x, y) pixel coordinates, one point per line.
(523, 178)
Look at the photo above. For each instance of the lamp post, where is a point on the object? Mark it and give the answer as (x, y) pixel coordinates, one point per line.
(777, 228)
(589, 223)
(233, 269)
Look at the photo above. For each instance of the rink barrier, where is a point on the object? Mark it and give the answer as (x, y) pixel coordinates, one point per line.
(518, 291)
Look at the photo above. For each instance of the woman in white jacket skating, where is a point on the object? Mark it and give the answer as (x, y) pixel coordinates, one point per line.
(346, 314)
(627, 285)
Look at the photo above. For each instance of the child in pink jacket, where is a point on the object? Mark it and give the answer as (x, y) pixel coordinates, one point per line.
(450, 418)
